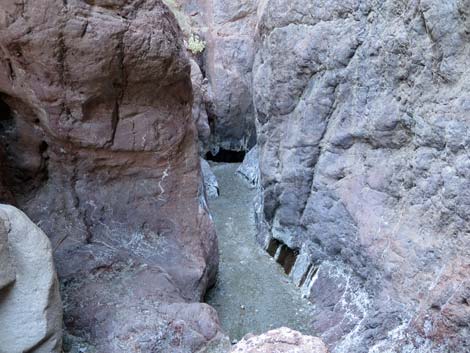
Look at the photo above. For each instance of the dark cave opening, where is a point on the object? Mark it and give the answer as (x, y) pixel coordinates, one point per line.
(5, 113)
(226, 156)
(272, 247)
(284, 255)
(23, 149)
(6, 120)
(6, 124)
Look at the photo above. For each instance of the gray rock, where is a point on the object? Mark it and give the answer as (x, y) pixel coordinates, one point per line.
(200, 100)
(228, 63)
(210, 180)
(249, 169)
(363, 130)
(7, 267)
(30, 309)
(228, 28)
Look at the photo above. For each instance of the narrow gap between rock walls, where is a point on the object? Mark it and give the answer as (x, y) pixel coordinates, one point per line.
(253, 293)
(226, 156)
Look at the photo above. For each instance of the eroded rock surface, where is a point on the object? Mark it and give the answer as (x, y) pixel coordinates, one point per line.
(363, 123)
(249, 169)
(227, 29)
(30, 305)
(211, 184)
(102, 154)
(200, 101)
(228, 64)
(282, 340)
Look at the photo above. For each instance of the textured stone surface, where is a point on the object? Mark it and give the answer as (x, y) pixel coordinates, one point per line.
(228, 64)
(363, 121)
(200, 101)
(281, 340)
(7, 267)
(227, 28)
(30, 307)
(249, 169)
(103, 155)
(210, 180)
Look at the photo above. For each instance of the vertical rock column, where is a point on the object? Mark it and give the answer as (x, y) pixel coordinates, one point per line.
(103, 156)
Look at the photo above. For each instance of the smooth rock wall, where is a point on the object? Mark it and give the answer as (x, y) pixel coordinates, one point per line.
(30, 305)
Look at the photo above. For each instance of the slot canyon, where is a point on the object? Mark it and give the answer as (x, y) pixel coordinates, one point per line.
(221, 176)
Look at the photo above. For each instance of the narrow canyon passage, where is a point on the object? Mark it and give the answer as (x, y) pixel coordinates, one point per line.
(252, 293)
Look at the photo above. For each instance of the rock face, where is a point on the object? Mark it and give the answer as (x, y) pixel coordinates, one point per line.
(102, 153)
(227, 28)
(228, 64)
(200, 101)
(30, 306)
(249, 169)
(282, 340)
(210, 180)
(363, 122)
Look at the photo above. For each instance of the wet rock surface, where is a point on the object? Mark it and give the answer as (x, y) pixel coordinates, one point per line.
(363, 131)
(101, 152)
(252, 293)
(30, 305)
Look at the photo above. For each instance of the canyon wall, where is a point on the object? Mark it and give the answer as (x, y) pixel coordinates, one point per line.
(363, 124)
(362, 115)
(100, 150)
(227, 29)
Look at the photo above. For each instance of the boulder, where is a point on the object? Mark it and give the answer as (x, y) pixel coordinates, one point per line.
(30, 305)
(282, 340)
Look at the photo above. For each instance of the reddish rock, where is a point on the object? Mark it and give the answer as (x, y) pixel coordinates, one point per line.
(282, 340)
(103, 156)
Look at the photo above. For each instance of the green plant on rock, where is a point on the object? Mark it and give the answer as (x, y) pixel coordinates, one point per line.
(195, 44)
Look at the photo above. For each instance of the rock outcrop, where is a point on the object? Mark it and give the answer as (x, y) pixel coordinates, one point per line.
(363, 123)
(102, 153)
(30, 306)
(228, 62)
(282, 340)
(227, 28)
(249, 169)
(210, 180)
(200, 102)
